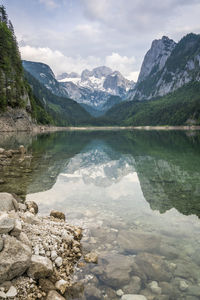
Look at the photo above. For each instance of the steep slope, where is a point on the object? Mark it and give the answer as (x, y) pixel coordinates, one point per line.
(165, 70)
(18, 108)
(45, 75)
(63, 111)
(181, 107)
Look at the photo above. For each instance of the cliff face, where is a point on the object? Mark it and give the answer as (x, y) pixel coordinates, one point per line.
(168, 66)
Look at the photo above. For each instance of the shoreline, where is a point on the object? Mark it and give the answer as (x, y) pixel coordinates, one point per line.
(41, 129)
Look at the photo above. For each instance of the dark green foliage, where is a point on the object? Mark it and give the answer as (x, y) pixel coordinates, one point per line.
(12, 88)
(178, 108)
(63, 111)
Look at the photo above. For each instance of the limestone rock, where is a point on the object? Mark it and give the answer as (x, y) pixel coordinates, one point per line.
(14, 259)
(117, 270)
(119, 293)
(1, 243)
(6, 223)
(2, 150)
(155, 288)
(58, 261)
(46, 285)
(12, 292)
(7, 202)
(92, 292)
(57, 214)
(133, 297)
(24, 239)
(30, 218)
(134, 285)
(40, 267)
(61, 285)
(134, 242)
(183, 286)
(32, 206)
(91, 257)
(53, 295)
(17, 228)
(152, 266)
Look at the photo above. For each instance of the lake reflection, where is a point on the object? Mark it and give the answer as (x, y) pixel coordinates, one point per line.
(137, 195)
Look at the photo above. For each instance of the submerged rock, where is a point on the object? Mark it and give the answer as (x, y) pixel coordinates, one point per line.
(14, 259)
(116, 270)
(134, 242)
(152, 266)
(133, 297)
(91, 257)
(57, 214)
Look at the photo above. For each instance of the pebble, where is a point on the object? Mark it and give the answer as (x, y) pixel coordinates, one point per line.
(119, 293)
(155, 288)
(12, 292)
(183, 286)
(54, 255)
(58, 261)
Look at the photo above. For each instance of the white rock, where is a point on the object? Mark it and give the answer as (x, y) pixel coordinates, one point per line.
(17, 228)
(54, 255)
(61, 285)
(30, 218)
(133, 297)
(2, 295)
(155, 288)
(12, 292)
(6, 223)
(119, 293)
(58, 261)
(183, 286)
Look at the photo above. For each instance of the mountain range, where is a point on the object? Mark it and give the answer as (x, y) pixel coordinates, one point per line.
(97, 90)
(167, 91)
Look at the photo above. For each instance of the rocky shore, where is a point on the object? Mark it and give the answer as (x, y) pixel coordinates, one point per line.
(37, 254)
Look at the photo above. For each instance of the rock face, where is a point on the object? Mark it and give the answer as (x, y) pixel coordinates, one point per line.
(156, 57)
(40, 267)
(168, 66)
(14, 259)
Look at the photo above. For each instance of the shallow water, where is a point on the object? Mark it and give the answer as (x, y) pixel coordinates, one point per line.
(136, 194)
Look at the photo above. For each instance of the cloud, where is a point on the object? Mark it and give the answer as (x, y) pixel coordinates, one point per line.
(50, 3)
(123, 64)
(61, 63)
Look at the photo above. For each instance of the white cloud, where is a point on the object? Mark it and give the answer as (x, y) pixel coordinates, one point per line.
(61, 63)
(120, 63)
(50, 3)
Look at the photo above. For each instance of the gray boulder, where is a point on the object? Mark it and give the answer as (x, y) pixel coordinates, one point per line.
(116, 272)
(14, 259)
(8, 202)
(40, 267)
(6, 223)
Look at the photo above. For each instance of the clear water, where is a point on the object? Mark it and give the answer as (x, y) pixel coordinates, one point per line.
(137, 196)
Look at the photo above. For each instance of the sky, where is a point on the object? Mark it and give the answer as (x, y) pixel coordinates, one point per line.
(72, 35)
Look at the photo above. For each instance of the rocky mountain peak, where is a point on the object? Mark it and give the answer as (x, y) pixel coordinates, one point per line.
(67, 75)
(156, 57)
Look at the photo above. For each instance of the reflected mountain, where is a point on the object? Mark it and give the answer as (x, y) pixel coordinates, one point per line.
(167, 164)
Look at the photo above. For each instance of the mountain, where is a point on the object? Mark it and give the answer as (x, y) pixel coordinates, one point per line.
(168, 66)
(45, 75)
(96, 86)
(63, 111)
(92, 88)
(181, 107)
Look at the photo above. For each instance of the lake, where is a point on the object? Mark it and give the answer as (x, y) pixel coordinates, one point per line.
(137, 196)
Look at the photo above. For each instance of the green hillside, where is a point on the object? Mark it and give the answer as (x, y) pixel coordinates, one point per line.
(63, 111)
(178, 108)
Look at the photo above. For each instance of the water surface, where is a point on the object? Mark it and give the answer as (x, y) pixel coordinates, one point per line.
(136, 194)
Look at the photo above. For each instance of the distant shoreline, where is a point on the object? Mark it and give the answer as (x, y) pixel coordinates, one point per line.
(112, 128)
